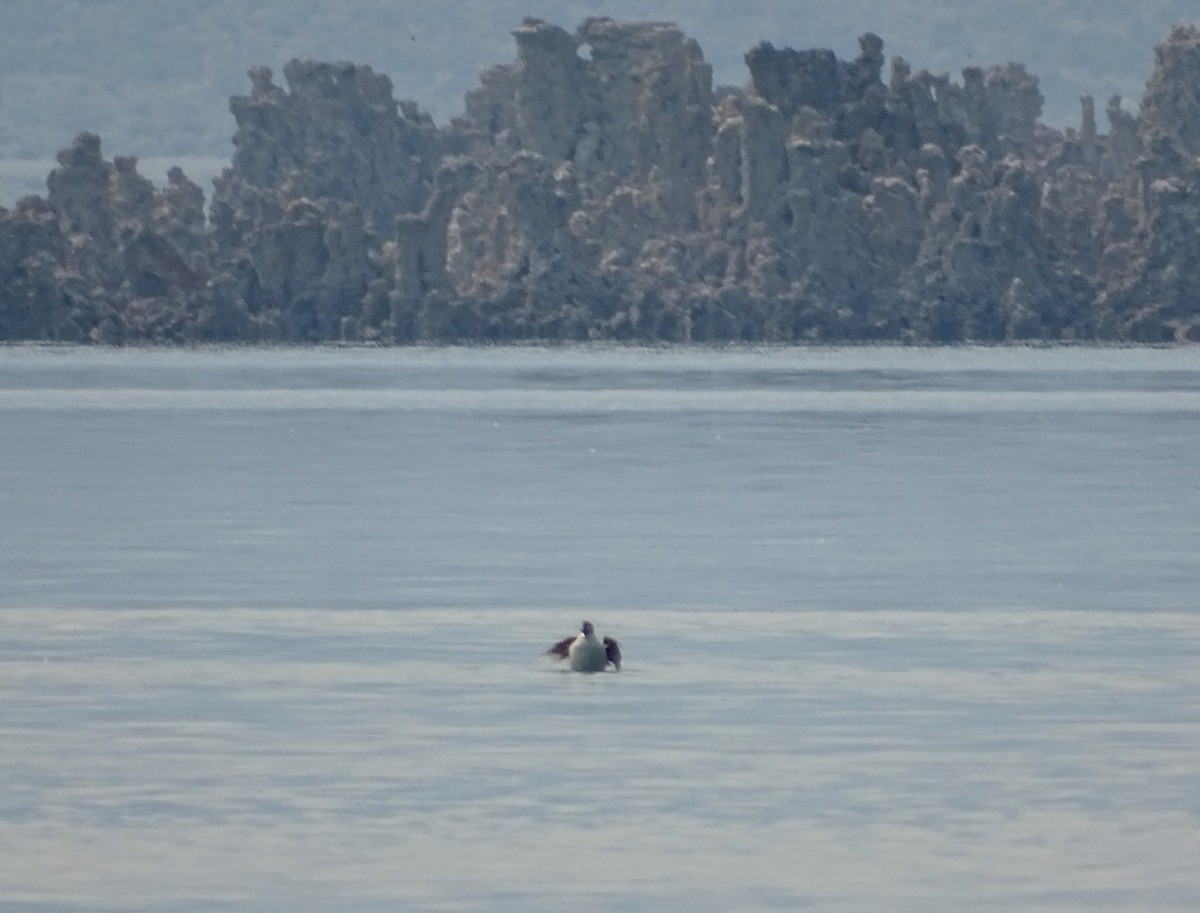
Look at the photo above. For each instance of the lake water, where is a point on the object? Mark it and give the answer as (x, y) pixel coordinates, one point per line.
(904, 630)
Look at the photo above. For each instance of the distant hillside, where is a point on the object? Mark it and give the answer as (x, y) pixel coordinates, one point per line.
(153, 77)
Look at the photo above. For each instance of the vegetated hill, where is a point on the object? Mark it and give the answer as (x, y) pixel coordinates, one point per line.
(153, 77)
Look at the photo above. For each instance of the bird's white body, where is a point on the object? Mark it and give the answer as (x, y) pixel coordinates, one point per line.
(587, 653)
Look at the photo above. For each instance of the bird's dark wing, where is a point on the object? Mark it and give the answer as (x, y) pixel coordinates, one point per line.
(613, 650)
(561, 649)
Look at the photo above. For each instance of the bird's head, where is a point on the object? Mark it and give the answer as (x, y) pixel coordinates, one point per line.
(587, 629)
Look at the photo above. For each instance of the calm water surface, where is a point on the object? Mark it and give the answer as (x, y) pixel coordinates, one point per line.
(905, 630)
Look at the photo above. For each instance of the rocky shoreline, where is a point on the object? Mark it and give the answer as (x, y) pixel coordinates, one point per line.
(601, 188)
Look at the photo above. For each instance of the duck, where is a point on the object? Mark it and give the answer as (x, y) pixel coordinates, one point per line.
(585, 652)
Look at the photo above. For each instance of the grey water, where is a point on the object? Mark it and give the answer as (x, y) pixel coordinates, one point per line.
(904, 629)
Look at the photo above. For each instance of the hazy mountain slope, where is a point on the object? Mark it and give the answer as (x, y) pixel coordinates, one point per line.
(153, 76)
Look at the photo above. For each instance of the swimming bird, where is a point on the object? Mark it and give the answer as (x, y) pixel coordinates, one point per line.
(586, 652)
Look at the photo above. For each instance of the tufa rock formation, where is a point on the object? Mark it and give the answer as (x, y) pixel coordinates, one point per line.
(600, 187)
